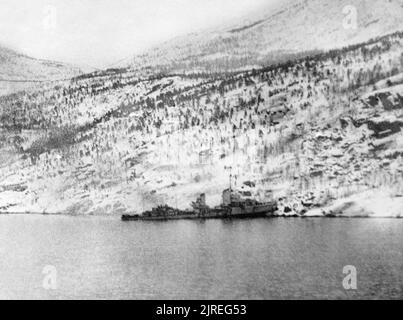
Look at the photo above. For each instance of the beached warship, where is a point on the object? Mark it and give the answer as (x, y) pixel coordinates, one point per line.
(232, 207)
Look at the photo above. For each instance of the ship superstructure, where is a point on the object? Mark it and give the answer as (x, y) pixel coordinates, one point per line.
(232, 206)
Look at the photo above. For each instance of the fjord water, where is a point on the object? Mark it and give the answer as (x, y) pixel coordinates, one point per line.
(105, 258)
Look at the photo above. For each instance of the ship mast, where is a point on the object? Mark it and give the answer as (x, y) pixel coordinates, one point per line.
(230, 177)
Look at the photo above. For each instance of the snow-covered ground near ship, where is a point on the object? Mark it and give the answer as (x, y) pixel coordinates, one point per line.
(378, 203)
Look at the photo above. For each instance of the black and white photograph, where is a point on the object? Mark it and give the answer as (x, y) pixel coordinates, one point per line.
(201, 150)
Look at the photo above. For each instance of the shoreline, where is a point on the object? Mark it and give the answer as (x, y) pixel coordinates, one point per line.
(201, 219)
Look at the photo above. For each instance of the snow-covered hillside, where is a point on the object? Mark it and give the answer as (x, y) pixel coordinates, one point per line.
(18, 71)
(321, 131)
(295, 28)
(318, 134)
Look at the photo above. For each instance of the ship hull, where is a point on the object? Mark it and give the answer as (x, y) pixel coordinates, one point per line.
(253, 210)
(262, 211)
(158, 218)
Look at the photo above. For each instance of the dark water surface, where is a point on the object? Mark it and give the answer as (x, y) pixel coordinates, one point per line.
(102, 258)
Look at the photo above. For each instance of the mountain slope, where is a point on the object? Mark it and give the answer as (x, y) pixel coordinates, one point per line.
(322, 134)
(296, 27)
(19, 71)
(309, 133)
